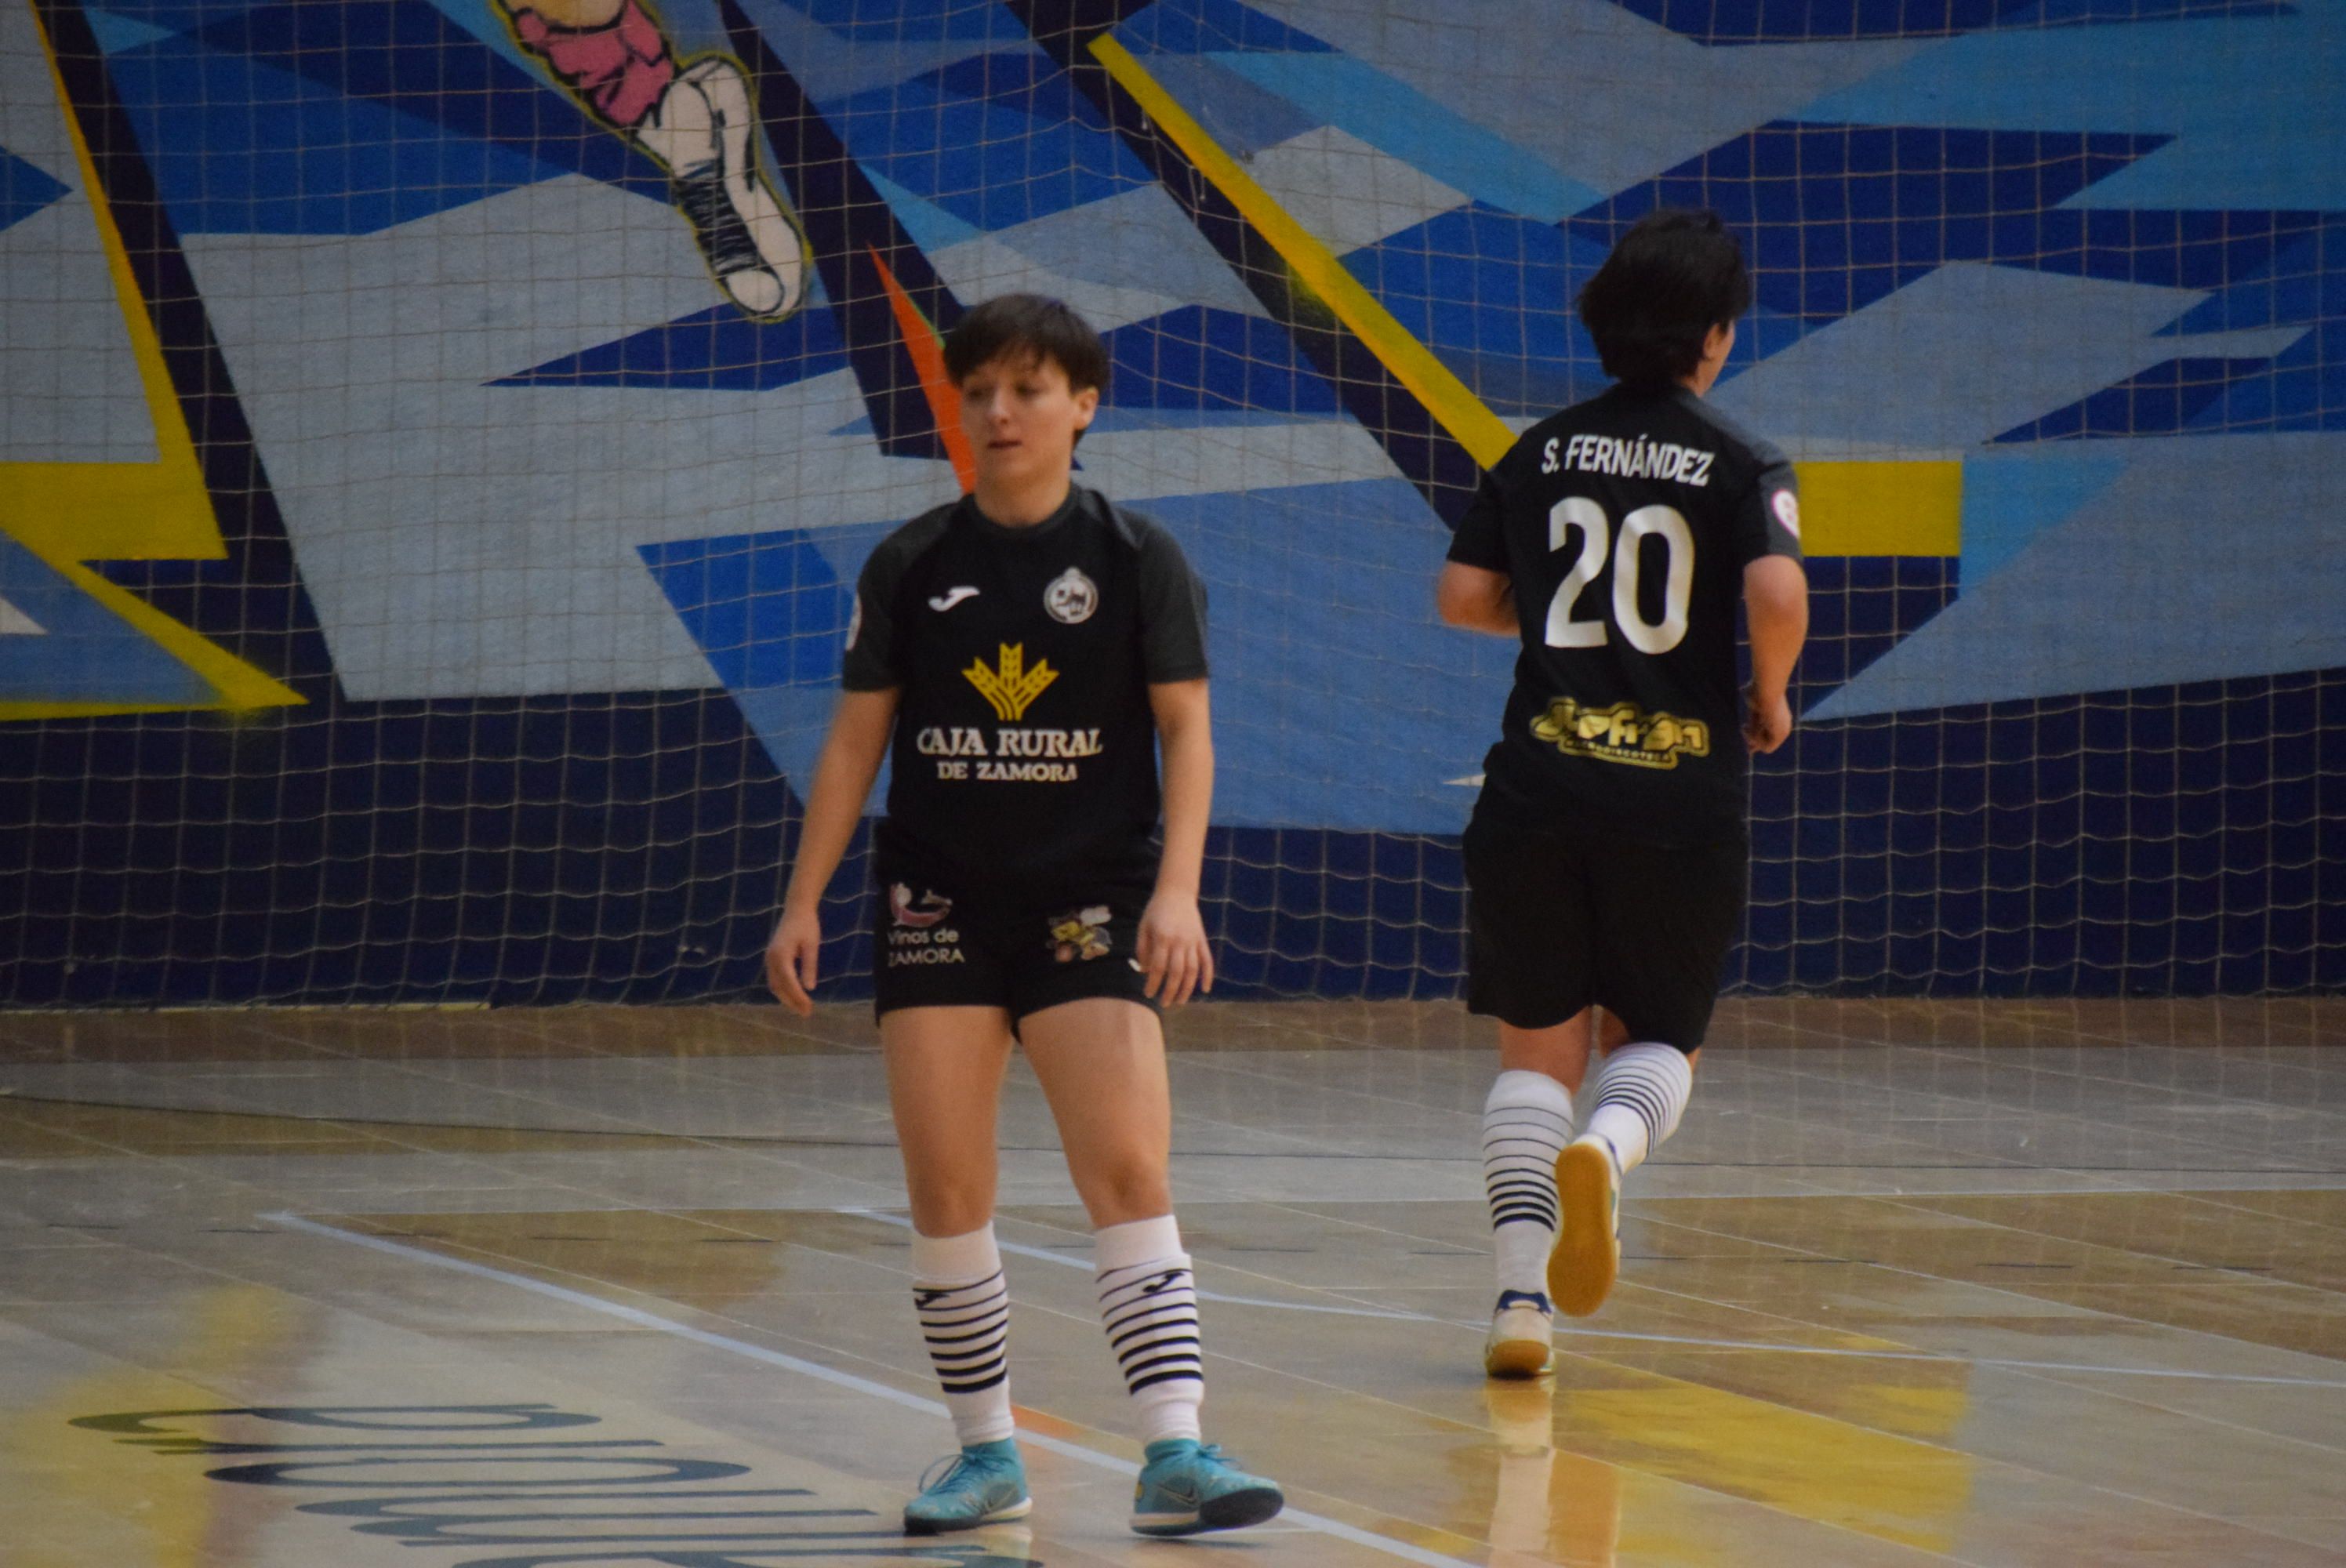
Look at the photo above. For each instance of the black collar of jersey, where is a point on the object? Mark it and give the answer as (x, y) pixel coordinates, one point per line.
(988, 528)
(1670, 391)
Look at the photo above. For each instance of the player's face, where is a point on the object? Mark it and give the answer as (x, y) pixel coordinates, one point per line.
(1022, 418)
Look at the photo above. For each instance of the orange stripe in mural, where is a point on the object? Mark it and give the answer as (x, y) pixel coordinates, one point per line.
(928, 351)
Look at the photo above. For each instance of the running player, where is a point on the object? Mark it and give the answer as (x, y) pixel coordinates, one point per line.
(1030, 646)
(1607, 852)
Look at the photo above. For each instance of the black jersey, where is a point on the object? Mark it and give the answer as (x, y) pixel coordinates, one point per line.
(1025, 747)
(1625, 523)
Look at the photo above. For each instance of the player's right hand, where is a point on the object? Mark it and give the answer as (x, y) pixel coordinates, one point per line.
(1766, 721)
(790, 960)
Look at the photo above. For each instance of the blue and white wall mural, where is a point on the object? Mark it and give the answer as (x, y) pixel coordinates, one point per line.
(439, 433)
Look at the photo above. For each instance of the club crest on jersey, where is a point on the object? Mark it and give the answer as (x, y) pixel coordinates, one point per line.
(1079, 934)
(921, 914)
(1009, 685)
(1621, 733)
(1072, 597)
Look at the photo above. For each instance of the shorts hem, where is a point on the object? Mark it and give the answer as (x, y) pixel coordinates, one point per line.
(1500, 1011)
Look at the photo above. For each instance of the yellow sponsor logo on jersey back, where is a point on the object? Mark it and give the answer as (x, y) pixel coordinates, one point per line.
(1621, 733)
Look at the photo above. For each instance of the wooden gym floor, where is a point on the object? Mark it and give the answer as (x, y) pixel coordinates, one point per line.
(2058, 1283)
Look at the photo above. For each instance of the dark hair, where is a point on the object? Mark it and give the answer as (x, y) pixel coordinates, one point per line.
(1031, 324)
(1672, 279)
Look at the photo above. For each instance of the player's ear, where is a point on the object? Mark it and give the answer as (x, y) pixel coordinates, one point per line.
(1086, 405)
(1720, 343)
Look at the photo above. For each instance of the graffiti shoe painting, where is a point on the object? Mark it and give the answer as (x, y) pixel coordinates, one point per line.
(702, 129)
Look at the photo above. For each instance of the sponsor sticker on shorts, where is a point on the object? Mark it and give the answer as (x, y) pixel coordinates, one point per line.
(917, 932)
(1079, 934)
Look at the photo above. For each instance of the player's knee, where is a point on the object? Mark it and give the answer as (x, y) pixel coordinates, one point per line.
(951, 1208)
(1122, 1190)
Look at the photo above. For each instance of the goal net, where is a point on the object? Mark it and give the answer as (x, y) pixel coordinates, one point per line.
(441, 437)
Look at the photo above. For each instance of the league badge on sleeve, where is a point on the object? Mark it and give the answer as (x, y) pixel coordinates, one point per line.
(1072, 597)
(1787, 507)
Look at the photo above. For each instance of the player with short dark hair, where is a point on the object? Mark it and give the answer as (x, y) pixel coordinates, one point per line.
(1030, 328)
(1029, 647)
(1607, 852)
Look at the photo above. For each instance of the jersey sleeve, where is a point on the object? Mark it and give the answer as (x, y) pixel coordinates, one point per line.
(1172, 610)
(870, 661)
(1767, 520)
(1482, 536)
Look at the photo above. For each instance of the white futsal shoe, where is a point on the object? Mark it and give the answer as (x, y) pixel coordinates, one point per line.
(1588, 1255)
(704, 130)
(1520, 1327)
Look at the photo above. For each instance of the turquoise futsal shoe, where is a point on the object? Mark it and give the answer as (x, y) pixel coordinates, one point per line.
(985, 1483)
(1187, 1487)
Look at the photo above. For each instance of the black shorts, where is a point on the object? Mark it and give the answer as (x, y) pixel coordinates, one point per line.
(1562, 922)
(938, 943)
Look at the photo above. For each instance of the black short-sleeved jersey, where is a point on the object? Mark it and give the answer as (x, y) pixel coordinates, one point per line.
(1025, 747)
(1625, 523)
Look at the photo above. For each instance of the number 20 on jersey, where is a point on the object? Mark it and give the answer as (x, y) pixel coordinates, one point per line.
(1566, 630)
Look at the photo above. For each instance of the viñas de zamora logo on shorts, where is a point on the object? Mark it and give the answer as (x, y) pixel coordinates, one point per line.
(1079, 935)
(916, 930)
(919, 913)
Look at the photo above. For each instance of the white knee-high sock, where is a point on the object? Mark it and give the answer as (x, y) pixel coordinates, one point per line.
(1641, 1092)
(964, 1304)
(1148, 1304)
(1527, 1121)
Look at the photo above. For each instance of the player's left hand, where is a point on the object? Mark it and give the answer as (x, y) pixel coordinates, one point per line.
(1174, 954)
(1766, 721)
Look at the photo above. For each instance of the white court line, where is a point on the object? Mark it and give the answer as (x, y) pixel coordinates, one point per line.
(2002, 1361)
(815, 1370)
(1564, 1331)
(1047, 1255)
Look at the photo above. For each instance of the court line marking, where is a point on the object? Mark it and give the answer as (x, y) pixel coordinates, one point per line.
(1047, 1255)
(817, 1370)
(2002, 1361)
(758, 1141)
(1568, 1331)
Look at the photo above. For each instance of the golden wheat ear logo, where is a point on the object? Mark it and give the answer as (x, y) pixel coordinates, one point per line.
(1012, 687)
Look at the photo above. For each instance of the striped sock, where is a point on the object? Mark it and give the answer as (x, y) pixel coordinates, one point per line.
(1527, 1121)
(1148, 1304)
(1641, 1092)
(964, 1304)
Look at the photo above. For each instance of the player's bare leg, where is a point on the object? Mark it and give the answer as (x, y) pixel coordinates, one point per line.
(696, 119)
(1528, 1123)
(1101, 1061)
(1641, 1092)
(944, 1082)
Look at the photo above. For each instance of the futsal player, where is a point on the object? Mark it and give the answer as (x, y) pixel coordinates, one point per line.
(1029, 648)
(1607, 855)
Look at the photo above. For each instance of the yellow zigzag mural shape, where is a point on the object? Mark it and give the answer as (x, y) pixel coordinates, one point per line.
(1848, 508)
(69, 513)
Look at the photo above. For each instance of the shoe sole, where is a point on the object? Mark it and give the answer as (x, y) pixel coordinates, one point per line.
(1515, 1359)
(1018, 1510)
(1231, 1511)
(1588, 1255)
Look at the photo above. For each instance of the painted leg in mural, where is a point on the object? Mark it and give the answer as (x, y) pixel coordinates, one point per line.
(696, 119)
